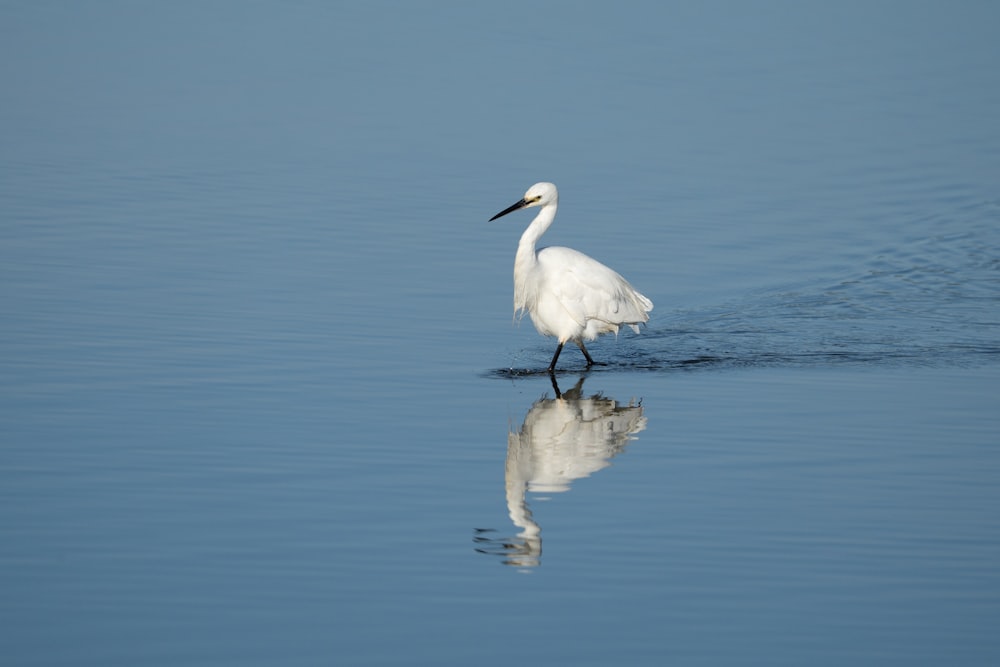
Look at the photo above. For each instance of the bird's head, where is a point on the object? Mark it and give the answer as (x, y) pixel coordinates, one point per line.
(539, 194)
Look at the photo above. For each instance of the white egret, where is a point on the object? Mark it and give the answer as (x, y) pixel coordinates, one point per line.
(568, 295)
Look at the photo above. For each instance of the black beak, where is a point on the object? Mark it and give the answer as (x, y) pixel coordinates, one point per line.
(510, 209)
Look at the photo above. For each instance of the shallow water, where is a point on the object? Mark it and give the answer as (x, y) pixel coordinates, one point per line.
(262, 400)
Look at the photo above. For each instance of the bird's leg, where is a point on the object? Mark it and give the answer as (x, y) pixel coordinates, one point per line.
(552, 366)
(590, 362)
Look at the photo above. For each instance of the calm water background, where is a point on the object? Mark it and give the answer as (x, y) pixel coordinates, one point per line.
(261, 398)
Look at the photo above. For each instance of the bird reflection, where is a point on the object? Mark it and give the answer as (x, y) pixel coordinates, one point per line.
(562, 439)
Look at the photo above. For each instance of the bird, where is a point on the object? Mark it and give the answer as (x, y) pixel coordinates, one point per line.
(567, 294)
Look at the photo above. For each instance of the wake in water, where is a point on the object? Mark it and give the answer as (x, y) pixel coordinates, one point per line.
(931, 301)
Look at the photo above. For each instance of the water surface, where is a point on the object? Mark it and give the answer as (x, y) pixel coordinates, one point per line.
(262, 400)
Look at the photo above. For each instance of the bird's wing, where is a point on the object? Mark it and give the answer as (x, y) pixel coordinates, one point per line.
(588, 289)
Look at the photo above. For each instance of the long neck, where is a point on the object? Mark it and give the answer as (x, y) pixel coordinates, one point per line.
(526, 248)
(527, 259)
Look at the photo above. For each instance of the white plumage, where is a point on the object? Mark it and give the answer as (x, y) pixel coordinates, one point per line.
(568, 295)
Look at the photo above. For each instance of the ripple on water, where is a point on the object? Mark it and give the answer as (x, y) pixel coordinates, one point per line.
(932, 300)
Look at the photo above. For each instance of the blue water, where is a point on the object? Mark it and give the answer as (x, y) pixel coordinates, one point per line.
(262, 399)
